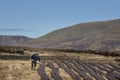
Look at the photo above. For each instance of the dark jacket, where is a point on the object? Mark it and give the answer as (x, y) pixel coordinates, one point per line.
(35, 57)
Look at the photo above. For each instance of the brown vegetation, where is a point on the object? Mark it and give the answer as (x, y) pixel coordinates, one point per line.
(59, 64)
(17, 70)
(102, 35)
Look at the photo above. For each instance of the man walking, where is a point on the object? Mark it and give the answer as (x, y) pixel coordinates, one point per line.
(34, 58)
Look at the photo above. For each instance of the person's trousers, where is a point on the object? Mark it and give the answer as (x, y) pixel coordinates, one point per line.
(33, 65)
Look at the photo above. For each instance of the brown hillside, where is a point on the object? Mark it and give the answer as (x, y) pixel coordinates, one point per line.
(102, 35)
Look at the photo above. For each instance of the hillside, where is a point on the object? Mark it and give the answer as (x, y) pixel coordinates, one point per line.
(103, 35)
(7, 40)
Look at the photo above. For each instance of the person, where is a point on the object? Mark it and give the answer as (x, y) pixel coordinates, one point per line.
(34, 58)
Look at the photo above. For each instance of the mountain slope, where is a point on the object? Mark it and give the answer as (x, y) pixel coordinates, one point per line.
(7, 40)
(102, 35)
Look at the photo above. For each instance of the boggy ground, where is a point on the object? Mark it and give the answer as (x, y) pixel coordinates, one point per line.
(78, 66)
(21, 69)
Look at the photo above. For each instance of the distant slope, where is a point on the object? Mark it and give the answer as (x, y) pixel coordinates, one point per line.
(7, 40)
(104, 35)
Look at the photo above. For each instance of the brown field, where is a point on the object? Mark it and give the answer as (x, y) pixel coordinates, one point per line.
(57, 65)
(17, 70)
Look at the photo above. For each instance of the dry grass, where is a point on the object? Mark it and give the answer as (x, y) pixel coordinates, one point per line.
(21, 70)
(62, 73)
(17, 70)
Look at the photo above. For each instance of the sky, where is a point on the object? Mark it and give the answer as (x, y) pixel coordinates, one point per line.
(35, 18)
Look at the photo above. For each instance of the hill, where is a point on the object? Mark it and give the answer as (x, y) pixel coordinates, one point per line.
(7, 40)
(103, 35)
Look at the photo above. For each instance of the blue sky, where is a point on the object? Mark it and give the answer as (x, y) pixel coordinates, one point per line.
(35, 18)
